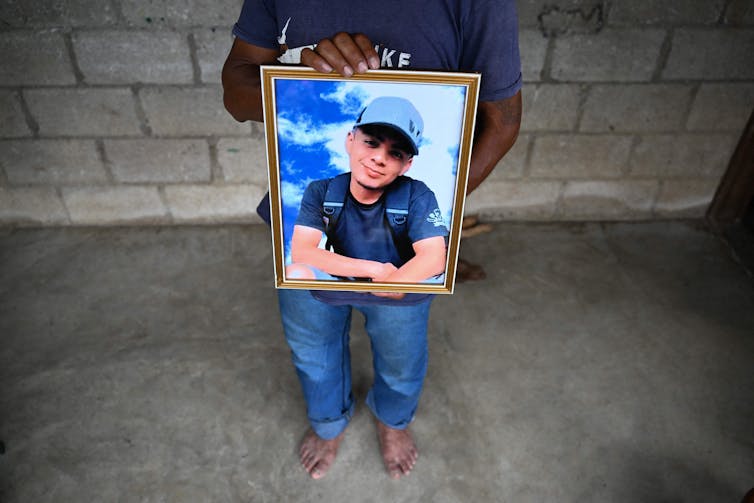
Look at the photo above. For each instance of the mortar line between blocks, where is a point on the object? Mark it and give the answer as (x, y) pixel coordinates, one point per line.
(584, 91)
(216, 173)
(656, 198)
(31, 122)
(526, 171)
(4, 183)
(690, 106)
(120, 19)
(559, 211)
(635, 142)
(164, 200)
(194, 58)
(724, 12)
(77, 73)
(545, 74)
(106, 162)
(662, 58)
(140, 112)
(59, 193)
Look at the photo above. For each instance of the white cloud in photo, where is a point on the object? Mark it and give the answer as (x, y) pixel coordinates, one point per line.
(304, 131)
(350, 98)
(300, 130)
(293, 192)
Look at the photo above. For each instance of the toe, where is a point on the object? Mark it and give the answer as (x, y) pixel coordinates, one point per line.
(406, 467)
(306, 458)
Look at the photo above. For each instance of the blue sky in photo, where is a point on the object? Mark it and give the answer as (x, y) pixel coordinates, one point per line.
(313, 118)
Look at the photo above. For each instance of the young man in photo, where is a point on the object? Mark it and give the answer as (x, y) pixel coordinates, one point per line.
(370, 240)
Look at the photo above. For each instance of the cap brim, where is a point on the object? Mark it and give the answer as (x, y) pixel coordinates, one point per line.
(398, 130)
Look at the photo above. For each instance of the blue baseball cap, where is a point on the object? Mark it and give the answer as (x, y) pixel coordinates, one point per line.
(397, 113)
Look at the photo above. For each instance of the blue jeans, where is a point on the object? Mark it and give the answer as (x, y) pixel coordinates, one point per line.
(318, 335)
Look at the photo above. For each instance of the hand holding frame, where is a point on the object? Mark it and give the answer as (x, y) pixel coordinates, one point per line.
(345, 53)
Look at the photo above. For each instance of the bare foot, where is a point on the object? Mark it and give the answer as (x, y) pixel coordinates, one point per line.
(466, 271)
(469, 221)
(475, 231)
(317, 454)
(398, 450)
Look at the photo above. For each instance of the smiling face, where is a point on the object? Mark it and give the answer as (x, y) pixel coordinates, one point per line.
(377, 156)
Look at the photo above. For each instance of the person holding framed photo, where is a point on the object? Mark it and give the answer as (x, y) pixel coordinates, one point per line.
(353, 37)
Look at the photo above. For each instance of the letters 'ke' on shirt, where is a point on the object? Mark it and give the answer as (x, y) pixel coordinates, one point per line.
(473, 36)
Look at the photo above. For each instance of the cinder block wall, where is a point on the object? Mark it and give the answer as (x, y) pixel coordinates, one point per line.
(111, 112)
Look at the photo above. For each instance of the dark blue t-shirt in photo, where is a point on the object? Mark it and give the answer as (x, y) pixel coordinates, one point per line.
(362, 231)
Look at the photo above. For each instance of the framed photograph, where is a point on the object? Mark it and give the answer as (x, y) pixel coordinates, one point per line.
(367, 177)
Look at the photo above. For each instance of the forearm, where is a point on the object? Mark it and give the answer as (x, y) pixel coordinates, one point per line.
(242, 88)
(335, 264)
(418, 269)
(429, 260)
(497, 127)
(242, 95)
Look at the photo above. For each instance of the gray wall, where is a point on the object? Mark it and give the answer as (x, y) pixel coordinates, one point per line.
(111, 112)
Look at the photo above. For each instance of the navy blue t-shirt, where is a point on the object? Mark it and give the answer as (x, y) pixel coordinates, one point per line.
(479, 36)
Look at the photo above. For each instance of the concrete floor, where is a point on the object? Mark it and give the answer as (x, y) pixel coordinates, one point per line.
(597, 363)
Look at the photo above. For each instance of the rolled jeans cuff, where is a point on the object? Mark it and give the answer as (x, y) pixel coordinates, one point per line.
(401, 424)
(331, 428)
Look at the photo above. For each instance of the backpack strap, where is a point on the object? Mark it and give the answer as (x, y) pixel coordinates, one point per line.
(335, 197)
(397, 199)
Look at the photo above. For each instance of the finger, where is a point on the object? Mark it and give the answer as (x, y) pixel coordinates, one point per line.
(342, 54)
(367, 49)
(390, 295)
(314, 60)
(356, 49)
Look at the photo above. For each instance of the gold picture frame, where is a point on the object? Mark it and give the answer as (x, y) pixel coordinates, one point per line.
(308, 116)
